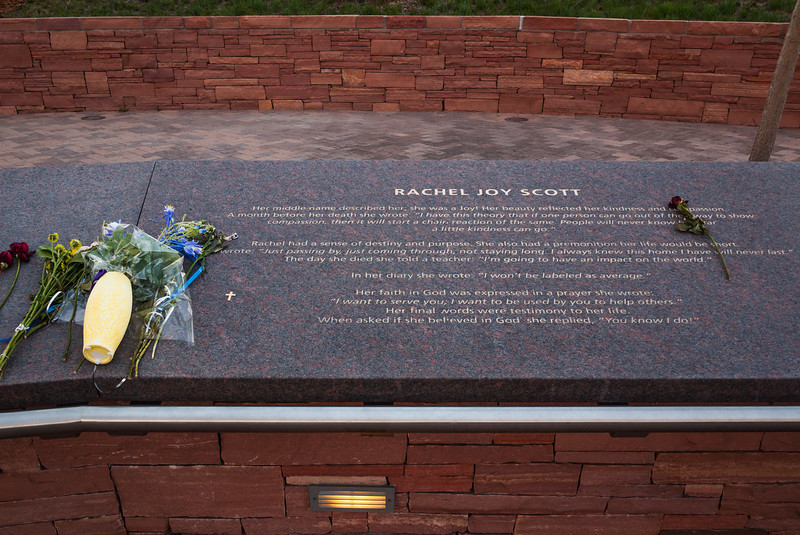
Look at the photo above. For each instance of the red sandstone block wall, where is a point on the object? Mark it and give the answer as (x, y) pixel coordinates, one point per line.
(522, 483)
(674, 70)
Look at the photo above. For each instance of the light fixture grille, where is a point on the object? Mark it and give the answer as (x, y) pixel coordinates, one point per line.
(351, 498)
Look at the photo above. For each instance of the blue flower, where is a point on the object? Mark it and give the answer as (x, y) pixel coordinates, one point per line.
(192, 249)
(169, 215)
(109, 228)
(97, 277)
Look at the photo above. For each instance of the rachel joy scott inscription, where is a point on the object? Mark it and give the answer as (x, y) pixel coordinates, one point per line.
(507, 270)
(529, 299)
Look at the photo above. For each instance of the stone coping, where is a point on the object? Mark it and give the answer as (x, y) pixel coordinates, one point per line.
(398, 22)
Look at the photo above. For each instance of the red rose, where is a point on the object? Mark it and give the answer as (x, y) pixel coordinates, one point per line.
(21, 251)
(5, 260)
(676, 201)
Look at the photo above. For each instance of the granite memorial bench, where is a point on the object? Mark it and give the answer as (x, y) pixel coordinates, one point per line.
(484, 283)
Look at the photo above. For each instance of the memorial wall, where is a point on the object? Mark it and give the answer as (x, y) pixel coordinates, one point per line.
(426, 283)
(696, 71)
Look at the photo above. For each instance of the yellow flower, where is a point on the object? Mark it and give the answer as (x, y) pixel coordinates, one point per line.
(53, 237)
(60, 248)
(74, 246)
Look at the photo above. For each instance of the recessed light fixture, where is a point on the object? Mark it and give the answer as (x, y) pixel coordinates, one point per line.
(351, 498)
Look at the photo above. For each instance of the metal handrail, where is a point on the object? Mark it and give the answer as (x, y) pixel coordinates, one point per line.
(436, 419)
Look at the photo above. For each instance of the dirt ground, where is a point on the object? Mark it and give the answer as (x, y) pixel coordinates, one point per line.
(8, 5)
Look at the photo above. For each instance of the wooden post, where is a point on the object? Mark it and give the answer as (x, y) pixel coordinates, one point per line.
(778, 91)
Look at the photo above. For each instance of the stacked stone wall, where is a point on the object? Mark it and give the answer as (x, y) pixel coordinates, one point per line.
(717, 72)
(521, 483)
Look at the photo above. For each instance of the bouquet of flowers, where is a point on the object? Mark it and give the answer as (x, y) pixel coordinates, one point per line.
(154, 268)
(162, 292)
(63, 269)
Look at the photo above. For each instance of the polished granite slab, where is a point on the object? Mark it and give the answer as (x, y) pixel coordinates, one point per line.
(73, 202)
(444, 282)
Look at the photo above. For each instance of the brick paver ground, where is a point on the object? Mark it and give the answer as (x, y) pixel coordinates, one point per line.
(86, 138)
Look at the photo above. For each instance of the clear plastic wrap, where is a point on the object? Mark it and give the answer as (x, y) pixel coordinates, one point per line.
(161, 304)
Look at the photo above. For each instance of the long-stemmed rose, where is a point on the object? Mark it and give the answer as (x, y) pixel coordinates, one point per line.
(695, 225)
(21, 250)
(22, 253)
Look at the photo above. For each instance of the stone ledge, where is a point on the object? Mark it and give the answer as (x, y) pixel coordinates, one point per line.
(763, 29)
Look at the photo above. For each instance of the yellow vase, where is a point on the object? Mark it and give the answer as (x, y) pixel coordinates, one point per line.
(108, 311)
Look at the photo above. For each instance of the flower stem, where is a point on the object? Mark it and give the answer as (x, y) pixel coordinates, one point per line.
(724, 264)
(69, 328)
(144, 343)
(38, 316)
(14, 282)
